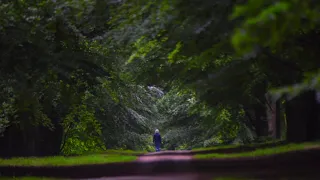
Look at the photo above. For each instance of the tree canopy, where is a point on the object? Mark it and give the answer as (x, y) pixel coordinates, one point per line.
(88, 75)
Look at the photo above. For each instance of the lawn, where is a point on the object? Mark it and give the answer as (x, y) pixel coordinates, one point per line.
(261, 152)
(255, 145)
(216, 147)
(40, 178)
(129, 152)
(67, 161)
(230, 178)
(28, 178)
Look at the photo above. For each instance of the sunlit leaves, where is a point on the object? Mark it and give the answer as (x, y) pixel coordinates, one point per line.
(269, 23)
(82, 132)
(144, 47)
(172, 55)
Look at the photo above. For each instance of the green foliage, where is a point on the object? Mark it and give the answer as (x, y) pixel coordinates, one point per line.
(229, 54)
(6, 111)
(277, 25)
(97, 69)
(227, 128)
(172, 55)
(270, 23)
(82, 132)
(59, 69)
(311, 82)
(189, 123)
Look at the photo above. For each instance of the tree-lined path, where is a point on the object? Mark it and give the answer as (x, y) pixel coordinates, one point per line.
(84, 83)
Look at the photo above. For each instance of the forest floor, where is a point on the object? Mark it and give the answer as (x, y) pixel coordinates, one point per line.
(295, 161)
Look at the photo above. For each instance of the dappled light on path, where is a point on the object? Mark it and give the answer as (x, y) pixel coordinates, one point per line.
(166, 156)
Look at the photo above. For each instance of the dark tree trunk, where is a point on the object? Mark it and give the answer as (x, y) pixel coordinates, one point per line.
(261, 124)
(31, 140)
(51, 139)
(271, 118)
(274, 117)
(11, 142)
(302, 118)
(278, 119)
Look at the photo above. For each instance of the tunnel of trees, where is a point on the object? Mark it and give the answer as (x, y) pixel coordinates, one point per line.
(80, 76)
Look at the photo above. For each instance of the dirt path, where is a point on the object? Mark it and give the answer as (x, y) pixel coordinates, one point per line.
(165, 156)
(169, 156)
(185, 176)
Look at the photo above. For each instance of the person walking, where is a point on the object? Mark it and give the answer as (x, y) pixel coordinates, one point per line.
(157, 140)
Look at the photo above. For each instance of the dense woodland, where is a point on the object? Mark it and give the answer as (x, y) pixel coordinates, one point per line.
(81, 76)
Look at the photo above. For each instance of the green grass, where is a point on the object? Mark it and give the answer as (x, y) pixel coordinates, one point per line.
(67, 161)
(28, 178)
(43, 178)
(260, 152)
(114, 151)
(230, 178)
(215, 147)
(233, 146)
(131, 152)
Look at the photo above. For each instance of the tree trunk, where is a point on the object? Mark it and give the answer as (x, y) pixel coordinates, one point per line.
(31, 140)
(274, 118)
(11, 142)
(278, 119)
(303, 118)
(261, 124)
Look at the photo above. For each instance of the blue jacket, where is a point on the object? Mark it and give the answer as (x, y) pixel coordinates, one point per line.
(157, 138)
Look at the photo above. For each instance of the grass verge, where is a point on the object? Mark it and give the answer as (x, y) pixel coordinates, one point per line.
(113, 151)
(129, 152)
(66, 161)
(28, 178)
(230, 178)
(232, 146)
(261, 152)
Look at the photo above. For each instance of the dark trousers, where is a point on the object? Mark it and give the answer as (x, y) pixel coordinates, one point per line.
(157, 146)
